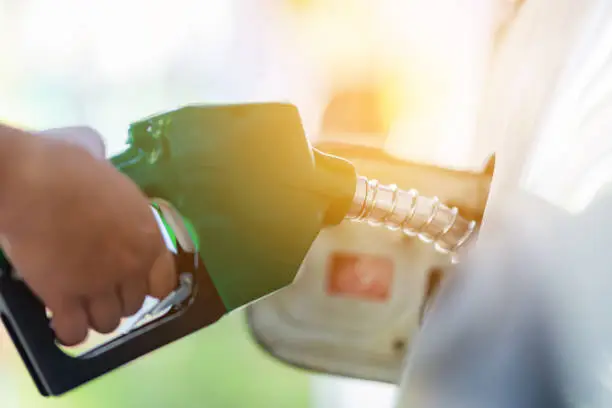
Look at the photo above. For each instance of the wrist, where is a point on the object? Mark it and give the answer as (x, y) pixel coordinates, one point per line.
(17, 149)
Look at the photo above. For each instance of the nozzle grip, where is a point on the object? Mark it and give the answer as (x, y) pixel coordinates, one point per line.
(55, 372)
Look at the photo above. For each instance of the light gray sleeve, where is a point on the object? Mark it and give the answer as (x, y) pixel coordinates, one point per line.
(486, 341)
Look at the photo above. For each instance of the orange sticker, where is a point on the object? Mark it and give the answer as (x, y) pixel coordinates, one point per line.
(361, 276)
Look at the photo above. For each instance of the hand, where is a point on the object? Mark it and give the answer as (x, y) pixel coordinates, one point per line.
(81, 234)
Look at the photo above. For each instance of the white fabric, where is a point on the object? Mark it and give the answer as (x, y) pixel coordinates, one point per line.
(546, 112)
(525, 322)
(82, 136)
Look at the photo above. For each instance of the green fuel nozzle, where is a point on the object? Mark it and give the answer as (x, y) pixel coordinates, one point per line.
(247, 180)
(243, 195)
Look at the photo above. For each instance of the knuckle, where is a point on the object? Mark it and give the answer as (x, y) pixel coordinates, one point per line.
(104, 313)
(70, 326)
(133, 298)
(141, 251)
(105, 323)
(70, 337)
(133, 305)
(132, 262)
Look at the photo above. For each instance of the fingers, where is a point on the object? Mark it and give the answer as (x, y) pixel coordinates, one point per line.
(160, 281)
(162, 278)
(132, 295)
(72, 319)
(104, 312)
(70, 323)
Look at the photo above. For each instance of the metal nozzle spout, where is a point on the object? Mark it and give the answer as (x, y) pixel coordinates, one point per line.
(412, 214)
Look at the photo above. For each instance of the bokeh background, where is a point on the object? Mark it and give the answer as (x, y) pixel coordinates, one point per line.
(107, 63)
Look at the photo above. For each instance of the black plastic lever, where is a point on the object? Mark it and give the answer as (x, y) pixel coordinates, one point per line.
(55, 372)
